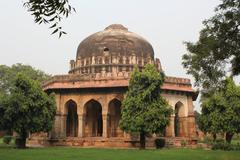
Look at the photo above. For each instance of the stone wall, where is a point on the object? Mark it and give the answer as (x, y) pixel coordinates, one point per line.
(104, 97)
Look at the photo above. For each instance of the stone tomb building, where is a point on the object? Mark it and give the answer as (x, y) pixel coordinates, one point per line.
(89, 97)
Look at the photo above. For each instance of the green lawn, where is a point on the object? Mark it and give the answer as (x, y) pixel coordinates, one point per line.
(62, 153)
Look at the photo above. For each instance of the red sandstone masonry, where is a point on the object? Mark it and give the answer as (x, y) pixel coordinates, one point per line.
(99, 81)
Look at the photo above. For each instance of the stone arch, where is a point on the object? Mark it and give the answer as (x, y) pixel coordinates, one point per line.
(72, 118)
(64, 109)
(93, 125)
(178, 123)
(114, 116)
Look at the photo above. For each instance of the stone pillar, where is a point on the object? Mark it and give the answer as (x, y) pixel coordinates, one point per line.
(103, 60)
(59, 128)
(126, 135)
(134, 60)
(124, 59)
(91, 69)
(81, 120)
(183, 127)
(63, 126)
(170, 129)
(130, 59)
(93, 60)
(114, 70)
(191, 126)
(190, 105)
(84, 61)
(103, 70)
(190, 121)
(104, 117)
(114, 60)
(56, 127)
(108, 125)
(72, 63)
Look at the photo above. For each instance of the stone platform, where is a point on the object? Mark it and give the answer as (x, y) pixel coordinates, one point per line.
(100, 142)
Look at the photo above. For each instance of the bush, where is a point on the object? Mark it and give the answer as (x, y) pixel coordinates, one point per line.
(225, 146)
(160, 142)
(236, 147)
(7, 139)
(219, 141)
(183, 143)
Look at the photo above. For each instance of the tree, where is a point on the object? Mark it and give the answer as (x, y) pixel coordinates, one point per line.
(49, 12)
(8, 75)
(221, 111)
(218, 46)
(198, 120)
(144, 110)
(28, 109)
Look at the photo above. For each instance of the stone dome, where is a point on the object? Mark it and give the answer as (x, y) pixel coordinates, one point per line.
(117, 40)
(113, 50)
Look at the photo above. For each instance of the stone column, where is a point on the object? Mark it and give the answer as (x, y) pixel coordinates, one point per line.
(56, 127)
(104, 117)
(172, 126)
(190, 120)
(103, 70)
(81, 120)
(108, 125)
(191, 126)
(124, 60)
(92, 69)
(190, 105)
(93, 60)
(170, 129)
(134, 60)
(114, 59)
(63, 120)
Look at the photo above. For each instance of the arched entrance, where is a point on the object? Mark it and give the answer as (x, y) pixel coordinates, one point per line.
(93, 122)
(178, 125)
(114, 115)
(72, 119)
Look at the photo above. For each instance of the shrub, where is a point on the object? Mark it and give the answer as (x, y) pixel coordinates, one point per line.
(236, 147)
(7, 139)
(221, 146)
(219, 141)
(225, 146)
(206, 140)
(183, 143)
(160, 142)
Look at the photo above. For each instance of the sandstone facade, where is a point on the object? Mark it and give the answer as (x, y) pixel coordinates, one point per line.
(89, 97)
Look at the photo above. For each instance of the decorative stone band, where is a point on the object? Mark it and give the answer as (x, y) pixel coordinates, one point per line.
(107, 80)
(108, 76)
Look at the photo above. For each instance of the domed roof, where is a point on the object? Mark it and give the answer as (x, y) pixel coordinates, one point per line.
(117, 40)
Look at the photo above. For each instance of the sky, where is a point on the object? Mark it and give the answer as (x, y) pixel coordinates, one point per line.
(166, 24)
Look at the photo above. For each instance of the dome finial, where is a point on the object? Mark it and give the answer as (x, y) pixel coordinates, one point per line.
(116, 26)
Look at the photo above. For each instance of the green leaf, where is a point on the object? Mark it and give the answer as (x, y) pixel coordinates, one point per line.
(55, 31)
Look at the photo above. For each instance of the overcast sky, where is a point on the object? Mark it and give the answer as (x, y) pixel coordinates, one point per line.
(166, 24)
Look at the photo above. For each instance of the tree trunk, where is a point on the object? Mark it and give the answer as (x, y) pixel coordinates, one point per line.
(229, 137)
(21, 141)
(214, 137)
(142, 140)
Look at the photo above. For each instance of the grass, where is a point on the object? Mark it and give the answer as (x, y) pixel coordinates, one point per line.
(62, 153)
(7, 152)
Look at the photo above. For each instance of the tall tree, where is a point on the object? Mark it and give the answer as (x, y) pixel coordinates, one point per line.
(8, 75)
(221, 111)
(49, 12)
(198, 120)
(144, 110)
(28, 109)
(218, 46)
